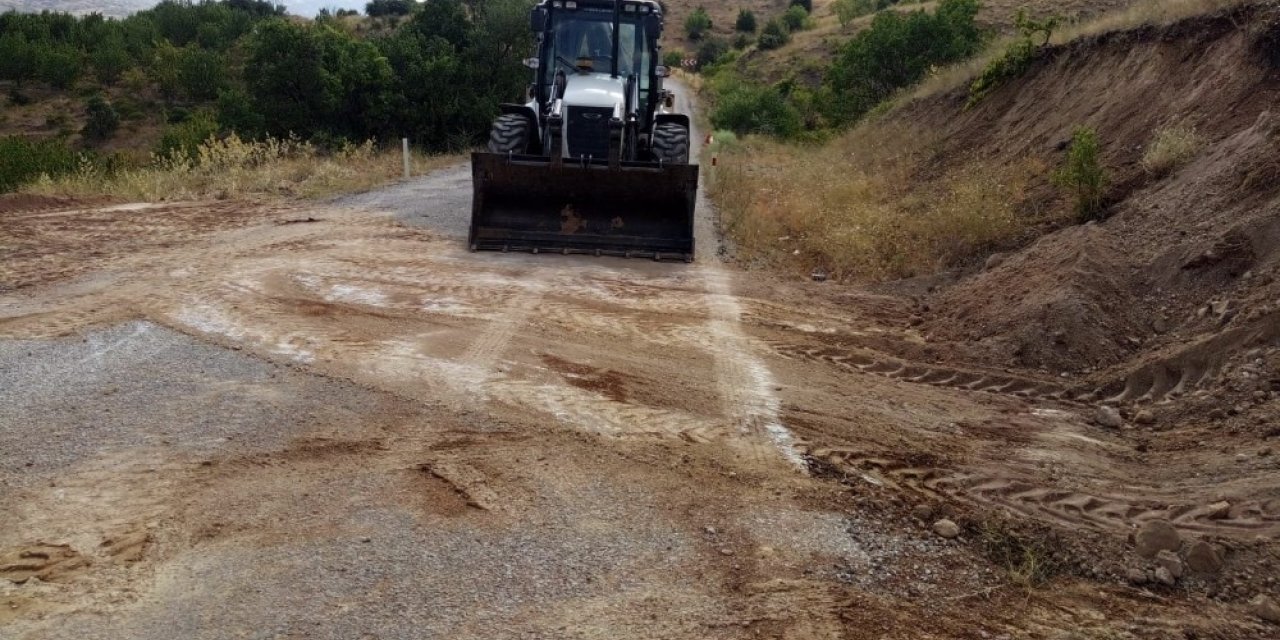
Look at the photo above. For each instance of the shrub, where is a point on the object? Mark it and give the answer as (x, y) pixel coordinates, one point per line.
(1083, 176)
(102, 120)
(1016, 59)
(747, 108)
(849, 10)
(23, 160)
(184, 139)
(697, 24)
(795, 18)
(746, 22)
(741, 41)
(774, 35)
(807, 5)
(673, 58)
(896, 52)
(1171, 148)
(710, 51)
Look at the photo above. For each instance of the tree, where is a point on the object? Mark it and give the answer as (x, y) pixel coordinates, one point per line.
(746, 21)
(697, 24)
(807, 5)
(110, 59)
(59, 65)
(102, 120)
(378, 8)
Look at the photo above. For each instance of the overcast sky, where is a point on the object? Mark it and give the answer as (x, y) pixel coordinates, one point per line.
(120, 8)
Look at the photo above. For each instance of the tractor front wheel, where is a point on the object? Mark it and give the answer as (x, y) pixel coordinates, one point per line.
(671, 143)
(510, 134)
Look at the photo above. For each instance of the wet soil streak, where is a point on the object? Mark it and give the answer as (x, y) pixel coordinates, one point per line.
(745, 384)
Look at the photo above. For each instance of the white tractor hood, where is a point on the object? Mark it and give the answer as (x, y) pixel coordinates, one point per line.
(594, 90)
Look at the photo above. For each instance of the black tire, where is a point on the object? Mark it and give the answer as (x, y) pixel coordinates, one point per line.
(671, 143)
(510, 134)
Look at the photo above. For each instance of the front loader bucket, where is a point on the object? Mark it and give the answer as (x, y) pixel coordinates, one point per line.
(636, 209)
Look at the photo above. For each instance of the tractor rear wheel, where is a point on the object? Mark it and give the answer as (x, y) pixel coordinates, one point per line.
(671, 143)
(510, 134)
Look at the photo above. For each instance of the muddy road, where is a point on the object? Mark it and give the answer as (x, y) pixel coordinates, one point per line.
(247, 420)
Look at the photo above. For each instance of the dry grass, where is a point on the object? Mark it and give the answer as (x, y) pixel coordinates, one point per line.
(1171, 148)
(1148, 12)
(872, 218)
(233, 168)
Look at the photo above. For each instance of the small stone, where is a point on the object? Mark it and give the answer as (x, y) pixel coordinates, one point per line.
(946, 528)
(726, 551)
(1170, 562)
(1265, 608)
(1242, 457)
(1164, 577)
(1161, 325)
(994, 261)
(1219, 510)
(922, 512)
(1155, 536)
(1145, 416)
(711, 531)
(818, 275)
(1264, 452)
(1217, 414)
(1108, 417)
(1204, 557)
(1135, 576)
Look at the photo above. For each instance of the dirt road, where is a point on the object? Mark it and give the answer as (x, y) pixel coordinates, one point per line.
(240, 420)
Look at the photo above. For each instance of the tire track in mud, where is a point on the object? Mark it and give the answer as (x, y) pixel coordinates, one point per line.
(745, 384)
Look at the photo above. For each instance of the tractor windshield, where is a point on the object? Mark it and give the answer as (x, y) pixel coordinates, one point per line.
(582, 40)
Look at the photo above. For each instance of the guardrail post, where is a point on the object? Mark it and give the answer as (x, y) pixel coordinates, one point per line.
(404, 144)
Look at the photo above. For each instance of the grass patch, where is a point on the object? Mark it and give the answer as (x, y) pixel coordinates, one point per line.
(1171, 148)
(857, 209)
(1029, 560)
(234, 168)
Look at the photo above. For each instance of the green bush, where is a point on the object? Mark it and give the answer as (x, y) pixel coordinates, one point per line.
(807, 5)
(1083, 176)
(697, 24)
(673, 58)
(795, 18)
(849, 10)
(747, 108)
(59, 66)
(710, 52)
(746, 22)
(1016, 59)
(773, 36)
(23, 160)
(185, 138)
(741, 41)
(102, 120)
(896, 52)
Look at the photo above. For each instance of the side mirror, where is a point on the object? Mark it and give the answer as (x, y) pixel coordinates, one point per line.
(532, 63)
(664, 71)
(538, 20)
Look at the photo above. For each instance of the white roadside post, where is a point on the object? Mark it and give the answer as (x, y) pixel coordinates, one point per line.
(404, 144)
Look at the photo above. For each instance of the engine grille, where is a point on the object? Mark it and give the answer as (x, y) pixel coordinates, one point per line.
(588, 132)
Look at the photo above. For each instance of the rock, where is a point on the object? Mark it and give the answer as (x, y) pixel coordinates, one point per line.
(994, 261)
(1164, 577)
(711, 531)
(1135, 576)
(1155, 536)
(1145, 417)
(1108, 417)
(1242, 457)
(818, 275)
(1170, 562)
(922, 512)
(1219, 510)
(1265, 608)
(1160, 325)
(1204, 557)
(946, 528)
